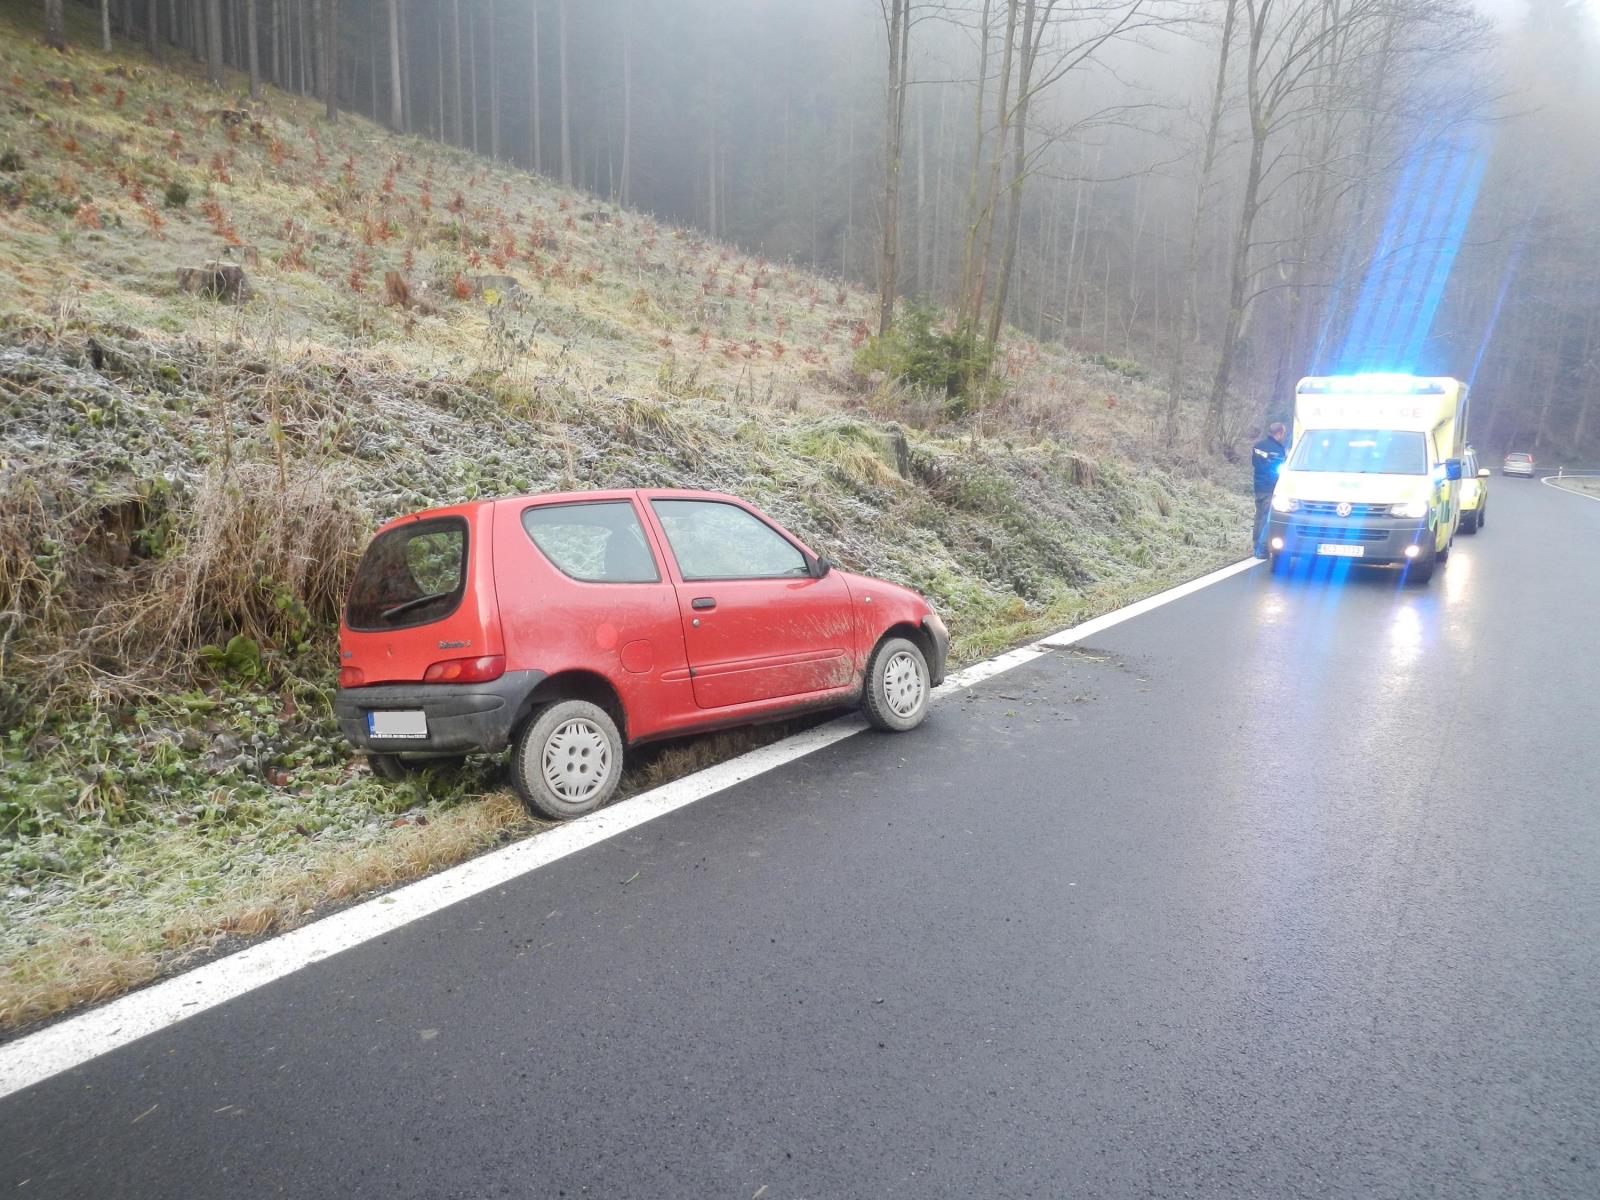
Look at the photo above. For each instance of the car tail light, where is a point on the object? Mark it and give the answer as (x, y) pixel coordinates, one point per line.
(352, 677)
(466, 670)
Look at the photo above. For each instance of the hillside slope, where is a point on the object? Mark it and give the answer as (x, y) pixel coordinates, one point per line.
(188, 480)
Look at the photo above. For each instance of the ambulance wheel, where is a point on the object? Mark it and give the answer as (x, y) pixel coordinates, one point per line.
(1420, 569)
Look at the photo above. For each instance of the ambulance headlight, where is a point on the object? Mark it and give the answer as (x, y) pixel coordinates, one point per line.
(1414, 510)
(1285, 504)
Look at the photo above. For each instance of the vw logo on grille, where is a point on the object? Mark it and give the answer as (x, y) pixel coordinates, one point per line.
(1344, 508)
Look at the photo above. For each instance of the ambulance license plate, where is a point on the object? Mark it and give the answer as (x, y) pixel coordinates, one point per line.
(410, 724)
(1341, 550)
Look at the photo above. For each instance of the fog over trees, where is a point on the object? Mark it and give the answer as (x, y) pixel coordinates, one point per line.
(1228, 193)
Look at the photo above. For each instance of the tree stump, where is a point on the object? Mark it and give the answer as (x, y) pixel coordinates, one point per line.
(215, 281)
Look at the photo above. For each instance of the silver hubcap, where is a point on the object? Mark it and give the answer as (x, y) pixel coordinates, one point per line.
(902, 684)
(577, 760)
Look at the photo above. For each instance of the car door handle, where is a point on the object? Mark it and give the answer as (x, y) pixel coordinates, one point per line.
(703, 602)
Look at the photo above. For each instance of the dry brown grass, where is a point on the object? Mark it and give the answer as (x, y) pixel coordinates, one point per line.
(66, 968)
(256, 538)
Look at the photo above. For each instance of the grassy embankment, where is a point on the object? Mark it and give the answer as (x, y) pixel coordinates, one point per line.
(187, 482)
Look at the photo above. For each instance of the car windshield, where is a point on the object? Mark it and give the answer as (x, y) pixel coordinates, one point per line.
(410, 575)
(1361, 452)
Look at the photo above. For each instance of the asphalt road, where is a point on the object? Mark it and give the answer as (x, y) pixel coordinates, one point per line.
(1288, 889)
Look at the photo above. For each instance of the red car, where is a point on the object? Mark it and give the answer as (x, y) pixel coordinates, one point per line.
(570, 626)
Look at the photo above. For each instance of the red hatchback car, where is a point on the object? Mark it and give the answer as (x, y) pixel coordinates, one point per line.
(570, 626)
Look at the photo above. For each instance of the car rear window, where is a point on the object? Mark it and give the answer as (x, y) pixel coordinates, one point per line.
(411, 575)
(1519, 458)
(593, 543)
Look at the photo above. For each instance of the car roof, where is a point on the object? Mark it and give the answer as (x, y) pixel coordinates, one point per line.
(471, 508)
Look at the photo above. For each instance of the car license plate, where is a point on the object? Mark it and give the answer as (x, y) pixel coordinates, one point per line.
(412, 724)
(1341, 550)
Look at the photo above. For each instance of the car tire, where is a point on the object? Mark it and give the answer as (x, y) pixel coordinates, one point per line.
(896, 692)
(1469, 522)
(567, 761)
(396, 769)
(1420, 570)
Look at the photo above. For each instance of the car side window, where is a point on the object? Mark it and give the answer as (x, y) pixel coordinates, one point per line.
(712, 540)
(594, 543)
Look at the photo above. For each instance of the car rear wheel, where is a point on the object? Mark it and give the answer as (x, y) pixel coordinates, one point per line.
(896, 692)
(396, 769)
(567, 761)
(1469, 522)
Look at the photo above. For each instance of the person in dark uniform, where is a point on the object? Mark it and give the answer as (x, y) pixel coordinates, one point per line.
(1267, 455)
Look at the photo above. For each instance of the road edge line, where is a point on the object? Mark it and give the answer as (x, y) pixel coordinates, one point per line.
(1556, 487)
(73, 1041)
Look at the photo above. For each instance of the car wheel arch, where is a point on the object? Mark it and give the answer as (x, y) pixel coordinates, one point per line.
(577, 684)
(912, 632)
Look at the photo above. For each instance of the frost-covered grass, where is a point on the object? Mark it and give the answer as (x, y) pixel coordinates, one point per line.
(170, 775)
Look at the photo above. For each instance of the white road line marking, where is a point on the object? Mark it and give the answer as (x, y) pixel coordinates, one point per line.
(1078, 633)
(1547, 480)
(72, 1042)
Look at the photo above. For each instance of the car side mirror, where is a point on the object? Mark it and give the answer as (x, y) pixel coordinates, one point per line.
(820, 567)
(1484, 472)
(1452, 469)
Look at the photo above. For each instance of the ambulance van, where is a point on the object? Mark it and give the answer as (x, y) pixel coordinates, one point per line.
(1373, 472)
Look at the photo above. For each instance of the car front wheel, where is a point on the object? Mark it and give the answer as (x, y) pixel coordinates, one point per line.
(896, 692)
(567, 761)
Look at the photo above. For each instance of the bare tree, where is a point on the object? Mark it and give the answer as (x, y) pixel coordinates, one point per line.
(1181, 329)
(397, 110)
(624, 187)
(535, 117)
(55, 30)
(897, 29)
(252, 48)
(566, 119)
(456, 127)
(1286, 43)
(214, 42)
(330, 58)
(493, 51)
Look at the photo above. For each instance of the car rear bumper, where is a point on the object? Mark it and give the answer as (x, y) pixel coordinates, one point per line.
(1381, 539)
(462, 718)
(1525, 472)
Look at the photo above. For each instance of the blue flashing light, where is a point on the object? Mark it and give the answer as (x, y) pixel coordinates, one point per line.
(1373, 384)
